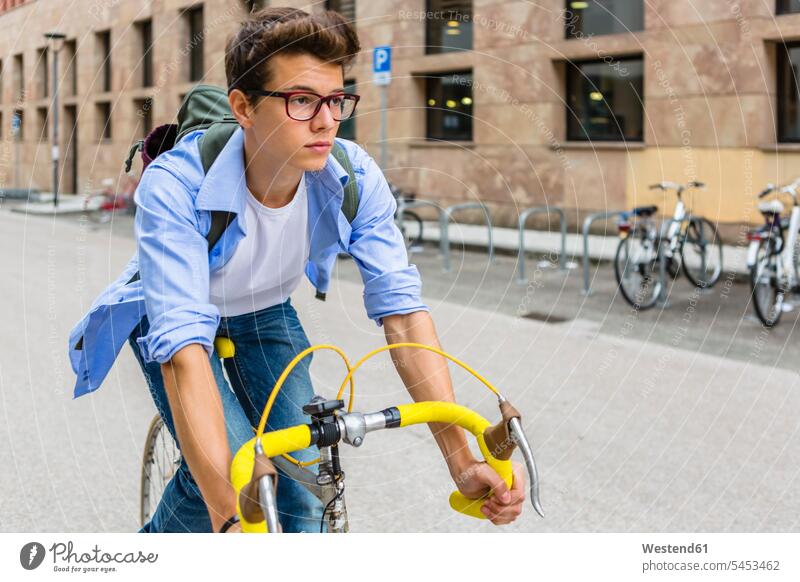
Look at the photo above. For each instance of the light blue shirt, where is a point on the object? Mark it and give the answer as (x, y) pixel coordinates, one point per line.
(173, 203)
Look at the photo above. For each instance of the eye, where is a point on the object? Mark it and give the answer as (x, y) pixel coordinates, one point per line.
(337, 101)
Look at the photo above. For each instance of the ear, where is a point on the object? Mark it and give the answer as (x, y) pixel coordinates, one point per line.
(241, 108)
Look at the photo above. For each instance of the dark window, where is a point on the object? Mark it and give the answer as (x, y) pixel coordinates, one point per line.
(71, 66)
(347, 128)
(449, 106)
(103, 52)
(448, 26)
(19, 77)
(605, 100)
(21, 131)
(194, 28)
(41, 115)
(144, 115)
(41, 67)
(602, 17)
(787, 6)
(103, 120)
(145, 28)
(788, 92)
(346, 8)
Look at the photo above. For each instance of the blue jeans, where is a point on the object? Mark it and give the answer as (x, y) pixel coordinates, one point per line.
(266, 341)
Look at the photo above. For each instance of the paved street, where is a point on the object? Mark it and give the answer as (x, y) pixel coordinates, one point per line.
(681, 419)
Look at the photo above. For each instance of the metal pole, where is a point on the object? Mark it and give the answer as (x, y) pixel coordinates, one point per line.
(384, 106)
(55, 152)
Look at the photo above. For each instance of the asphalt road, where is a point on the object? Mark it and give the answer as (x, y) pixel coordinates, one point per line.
(682, 419)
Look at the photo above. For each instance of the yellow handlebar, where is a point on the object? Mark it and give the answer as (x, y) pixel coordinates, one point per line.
(447, 412)
(298, 437)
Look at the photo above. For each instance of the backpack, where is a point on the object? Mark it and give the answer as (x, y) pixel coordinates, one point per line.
(206, 107)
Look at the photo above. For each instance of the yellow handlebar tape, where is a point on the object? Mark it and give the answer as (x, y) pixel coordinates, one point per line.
(298, 437)
(287, 440)
(447, 412)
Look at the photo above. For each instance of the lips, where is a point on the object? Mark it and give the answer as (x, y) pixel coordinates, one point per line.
(319, 144)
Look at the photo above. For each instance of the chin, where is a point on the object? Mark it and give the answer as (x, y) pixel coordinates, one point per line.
(313, 162)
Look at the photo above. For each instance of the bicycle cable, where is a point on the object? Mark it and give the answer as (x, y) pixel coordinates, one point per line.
(349, 378)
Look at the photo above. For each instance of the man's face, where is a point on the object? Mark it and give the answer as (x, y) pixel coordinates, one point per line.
(287, 139)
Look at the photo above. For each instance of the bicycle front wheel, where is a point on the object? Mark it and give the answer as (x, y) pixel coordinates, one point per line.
(701, 253)
(636, 271)
(160, 462)
(767, 292)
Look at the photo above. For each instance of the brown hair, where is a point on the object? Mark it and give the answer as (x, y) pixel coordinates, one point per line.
(272, 31)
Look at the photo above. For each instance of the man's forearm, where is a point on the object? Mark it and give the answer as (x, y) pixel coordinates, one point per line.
(426, 377)
(200, 427)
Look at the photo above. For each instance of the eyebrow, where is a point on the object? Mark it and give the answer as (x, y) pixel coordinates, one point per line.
(307, 88)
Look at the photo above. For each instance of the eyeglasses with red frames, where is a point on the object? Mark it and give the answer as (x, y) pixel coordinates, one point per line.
(304, 105)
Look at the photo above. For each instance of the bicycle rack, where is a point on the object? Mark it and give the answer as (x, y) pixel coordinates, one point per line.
(523, 218)
(444, 229)
(587, 223)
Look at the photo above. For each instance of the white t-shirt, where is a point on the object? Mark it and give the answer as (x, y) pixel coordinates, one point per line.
(269, 262)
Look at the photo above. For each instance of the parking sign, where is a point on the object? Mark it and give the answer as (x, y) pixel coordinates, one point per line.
(382, 65)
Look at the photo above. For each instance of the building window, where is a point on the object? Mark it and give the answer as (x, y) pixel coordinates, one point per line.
(145, 54)
(103, 52)
(448, 26)
(20, 114)
(592, 17)
(194, 43)
(103, 120)
(19, 77)
(787, 6)
(347, 128)
(346, 8)
(605, 100)
(449, 106)
(71, 65)
(42, 78)
(788, 92)
(144, 115)
(42, 118)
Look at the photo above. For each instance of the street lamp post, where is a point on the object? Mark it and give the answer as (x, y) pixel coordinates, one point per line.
(56, 40)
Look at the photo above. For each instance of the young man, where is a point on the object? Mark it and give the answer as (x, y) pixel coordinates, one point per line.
(285, 77)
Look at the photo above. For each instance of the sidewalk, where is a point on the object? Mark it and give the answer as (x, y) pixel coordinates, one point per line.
(601, 248)
(42, 204)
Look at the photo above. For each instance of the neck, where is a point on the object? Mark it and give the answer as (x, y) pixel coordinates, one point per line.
(272, 182)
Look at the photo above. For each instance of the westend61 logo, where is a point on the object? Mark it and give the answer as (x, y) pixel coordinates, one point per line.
(66, 559)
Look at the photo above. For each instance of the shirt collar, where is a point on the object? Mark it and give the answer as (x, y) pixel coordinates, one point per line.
(224, 186)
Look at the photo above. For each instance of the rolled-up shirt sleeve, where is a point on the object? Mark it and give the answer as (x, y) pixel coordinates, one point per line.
(391, 285)
(173, 266)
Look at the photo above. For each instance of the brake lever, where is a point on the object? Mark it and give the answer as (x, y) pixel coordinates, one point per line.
(518, 435)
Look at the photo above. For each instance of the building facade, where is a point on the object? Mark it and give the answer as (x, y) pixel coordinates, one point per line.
(580, 104)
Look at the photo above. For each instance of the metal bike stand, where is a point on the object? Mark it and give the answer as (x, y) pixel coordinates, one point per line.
(402, 206)
(523, 218)
(587, 223)
(444, 226)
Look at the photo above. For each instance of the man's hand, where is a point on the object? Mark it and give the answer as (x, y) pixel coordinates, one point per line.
(503, 506)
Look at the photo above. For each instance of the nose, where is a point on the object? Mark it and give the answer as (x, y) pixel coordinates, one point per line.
(323, 120)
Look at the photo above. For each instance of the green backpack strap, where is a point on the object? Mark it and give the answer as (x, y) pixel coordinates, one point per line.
(350, 202)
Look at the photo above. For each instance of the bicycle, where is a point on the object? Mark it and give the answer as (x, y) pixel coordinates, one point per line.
(101, 205)
(253, 468)
(413, 237)
(688, 243)
(773, 256)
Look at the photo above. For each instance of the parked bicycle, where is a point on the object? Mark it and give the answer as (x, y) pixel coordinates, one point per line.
(101, 205)
(688, 243)
(413, 235)
(253, 476)
(773, 255)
